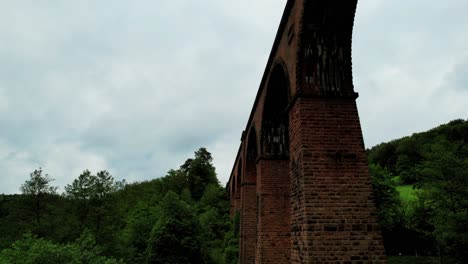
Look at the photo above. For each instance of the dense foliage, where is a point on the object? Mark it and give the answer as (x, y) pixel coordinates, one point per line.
(431, 220)
(31, 249)
(420, 186)
(180, 218)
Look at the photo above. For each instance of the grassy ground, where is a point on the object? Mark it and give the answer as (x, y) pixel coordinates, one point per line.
(406, 193)
(412, 260)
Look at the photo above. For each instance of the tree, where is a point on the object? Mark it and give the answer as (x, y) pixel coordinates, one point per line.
(176, 181)
(82, 187)
(409, 153)
(136, 233)
(444, 191)
(95, 206)
(200, 173)
(231, 241)
(386, 196)
(102, 203)
(215, 196)
(175, 236)
(36, 189)
(80, 193)
(214, 221)
(38, 184)
(384, 155)
(104, 184)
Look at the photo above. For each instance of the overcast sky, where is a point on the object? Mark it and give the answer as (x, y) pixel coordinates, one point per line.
(135, 87)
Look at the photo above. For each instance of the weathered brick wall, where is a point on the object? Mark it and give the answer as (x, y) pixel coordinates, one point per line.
(237, 201)
(333, 216)
(248, 222)
(273, 237)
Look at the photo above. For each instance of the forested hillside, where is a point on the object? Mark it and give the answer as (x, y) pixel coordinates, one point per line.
(421, 192)
(420, 186)
(180, 218)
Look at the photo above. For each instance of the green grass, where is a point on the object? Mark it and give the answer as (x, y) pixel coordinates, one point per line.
(411, 260)
(407, 193)
(397, 180)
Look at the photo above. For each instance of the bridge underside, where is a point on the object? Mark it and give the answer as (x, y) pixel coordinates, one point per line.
(300, 181)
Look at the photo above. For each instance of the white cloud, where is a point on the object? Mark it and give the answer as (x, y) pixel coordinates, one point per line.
(402, 54)
(136, 87)
(62, 161)
(14, 164)
(65, 162)
(3, 100)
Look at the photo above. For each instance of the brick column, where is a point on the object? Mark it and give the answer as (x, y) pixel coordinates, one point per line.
(237, 203)
(333, 217)
(273, 219)
(248, 223)
(232, 212)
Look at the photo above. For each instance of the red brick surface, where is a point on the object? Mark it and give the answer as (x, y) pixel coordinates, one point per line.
(331, 193)
(314, 204)
(248, 229)
(273, 238)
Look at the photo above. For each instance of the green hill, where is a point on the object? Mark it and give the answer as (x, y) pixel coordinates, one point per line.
(401, 157)
(182, 217)
(421, 192)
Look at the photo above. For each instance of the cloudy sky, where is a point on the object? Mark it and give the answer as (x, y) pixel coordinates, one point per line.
(135, 87)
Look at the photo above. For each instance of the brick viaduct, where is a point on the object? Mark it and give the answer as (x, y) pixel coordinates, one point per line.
(300, 182)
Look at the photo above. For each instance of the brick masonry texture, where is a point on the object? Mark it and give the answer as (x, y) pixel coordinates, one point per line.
(304, 193)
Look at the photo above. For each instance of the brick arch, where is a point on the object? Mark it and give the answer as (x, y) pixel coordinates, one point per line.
(249, 200)
(273, 177)
(239, 179)
(251, 154)
(237, 188)
(275, 119)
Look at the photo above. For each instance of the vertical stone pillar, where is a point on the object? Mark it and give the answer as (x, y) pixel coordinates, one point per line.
(248, 222)
(232, 211)
(333, 216)
(273, 220)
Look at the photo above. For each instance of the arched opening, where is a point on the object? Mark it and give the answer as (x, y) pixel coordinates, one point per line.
(275, 136)
(252, 153)
(249, 200)
(238, 182)
(273, 174)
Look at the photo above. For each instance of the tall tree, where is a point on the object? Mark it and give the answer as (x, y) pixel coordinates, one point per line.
(95, 204)
(386, 195)
(175, 236)
(105, 184)
(139, 223)
(444, 192)
(82, 187)
(80, 193)
(200, 173)
(36, 190)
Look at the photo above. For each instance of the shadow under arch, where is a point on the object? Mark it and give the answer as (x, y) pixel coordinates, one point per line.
(273, 174)
(249, 200)
(275, 119)
(252, 152)
(239, 181)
